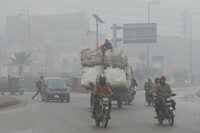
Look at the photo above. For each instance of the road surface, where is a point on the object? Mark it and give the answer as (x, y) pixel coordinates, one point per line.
(74, 117)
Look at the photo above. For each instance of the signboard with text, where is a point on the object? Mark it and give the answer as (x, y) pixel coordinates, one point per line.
(134, 33)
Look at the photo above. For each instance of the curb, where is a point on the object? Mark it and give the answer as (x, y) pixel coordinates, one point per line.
(12, 103)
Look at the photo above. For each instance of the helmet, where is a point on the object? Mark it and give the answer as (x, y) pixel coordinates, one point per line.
(156, 80)
(102, 79)
(106, 40)
(41, 77)
(162, 78)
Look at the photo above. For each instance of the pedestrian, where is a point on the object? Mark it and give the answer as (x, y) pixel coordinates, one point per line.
(39, 85)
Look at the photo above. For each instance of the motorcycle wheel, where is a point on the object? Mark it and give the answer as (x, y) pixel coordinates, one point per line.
(2, 92)
(21, 92)
(97, 122)
(149, 103)
(171, 118)
(91, 99)
(105, 119)
(119, 103)
(171, 121)
(160, 120)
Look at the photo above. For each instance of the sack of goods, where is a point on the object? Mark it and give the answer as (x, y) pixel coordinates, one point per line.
(116, 77)
(91, 57)
(116, 58)
(89, 74)
(117, 72)
(113, 58)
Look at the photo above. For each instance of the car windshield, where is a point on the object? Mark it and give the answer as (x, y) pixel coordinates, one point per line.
(56, 83)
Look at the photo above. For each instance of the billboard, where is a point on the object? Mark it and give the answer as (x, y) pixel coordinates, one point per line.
(134, 33)
(158, 58)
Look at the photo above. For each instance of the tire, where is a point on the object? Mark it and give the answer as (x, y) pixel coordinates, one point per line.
(105, 119)
(68, 98)
(21, 92)
(12, 93)
(119, 103)
(91, 99)
(160, 120)
(171, 118)
(149, 103)
(171, 121)
(97, 122)
(2, 92)
(46, 99)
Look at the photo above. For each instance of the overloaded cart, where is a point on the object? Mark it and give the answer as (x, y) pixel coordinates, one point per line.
(116, 69)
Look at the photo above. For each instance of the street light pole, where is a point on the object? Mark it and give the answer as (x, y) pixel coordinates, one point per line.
(149, 7)
(98, 19)
(97, 32)
(191, 70)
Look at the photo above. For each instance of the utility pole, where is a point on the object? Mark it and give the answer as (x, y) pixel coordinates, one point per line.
(191, 64)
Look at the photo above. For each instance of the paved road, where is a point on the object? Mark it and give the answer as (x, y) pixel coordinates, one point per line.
(73, 117)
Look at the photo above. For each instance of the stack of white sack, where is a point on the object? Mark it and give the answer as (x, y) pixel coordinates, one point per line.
(115, 76)
(89, 74)
(113, 58)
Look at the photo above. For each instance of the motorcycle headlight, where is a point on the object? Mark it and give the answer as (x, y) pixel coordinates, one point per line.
(105, 99)
(169, 99)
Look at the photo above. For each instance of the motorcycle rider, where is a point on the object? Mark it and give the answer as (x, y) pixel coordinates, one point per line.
(161, 89)
(148, 87)
(156, 82)
(101, 88)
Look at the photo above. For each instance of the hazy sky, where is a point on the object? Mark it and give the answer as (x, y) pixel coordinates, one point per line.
(167, 13)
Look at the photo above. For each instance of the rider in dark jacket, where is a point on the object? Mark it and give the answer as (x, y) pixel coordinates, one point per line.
(101, 88)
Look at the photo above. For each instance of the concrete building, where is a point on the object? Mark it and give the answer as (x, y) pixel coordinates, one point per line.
(55, 40)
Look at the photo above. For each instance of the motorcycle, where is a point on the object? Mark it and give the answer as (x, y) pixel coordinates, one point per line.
(166, 110)
(149, 98)
(102, 111)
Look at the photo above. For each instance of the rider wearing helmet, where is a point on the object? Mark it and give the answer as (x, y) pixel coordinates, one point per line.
(101, 88)
(162, 89)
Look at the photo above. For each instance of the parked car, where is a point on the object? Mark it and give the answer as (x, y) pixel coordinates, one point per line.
(55, 88)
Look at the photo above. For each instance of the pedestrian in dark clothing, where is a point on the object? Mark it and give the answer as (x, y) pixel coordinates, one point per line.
(39, 84)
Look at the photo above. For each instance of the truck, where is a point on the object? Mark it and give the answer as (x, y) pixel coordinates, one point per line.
(114, 65)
